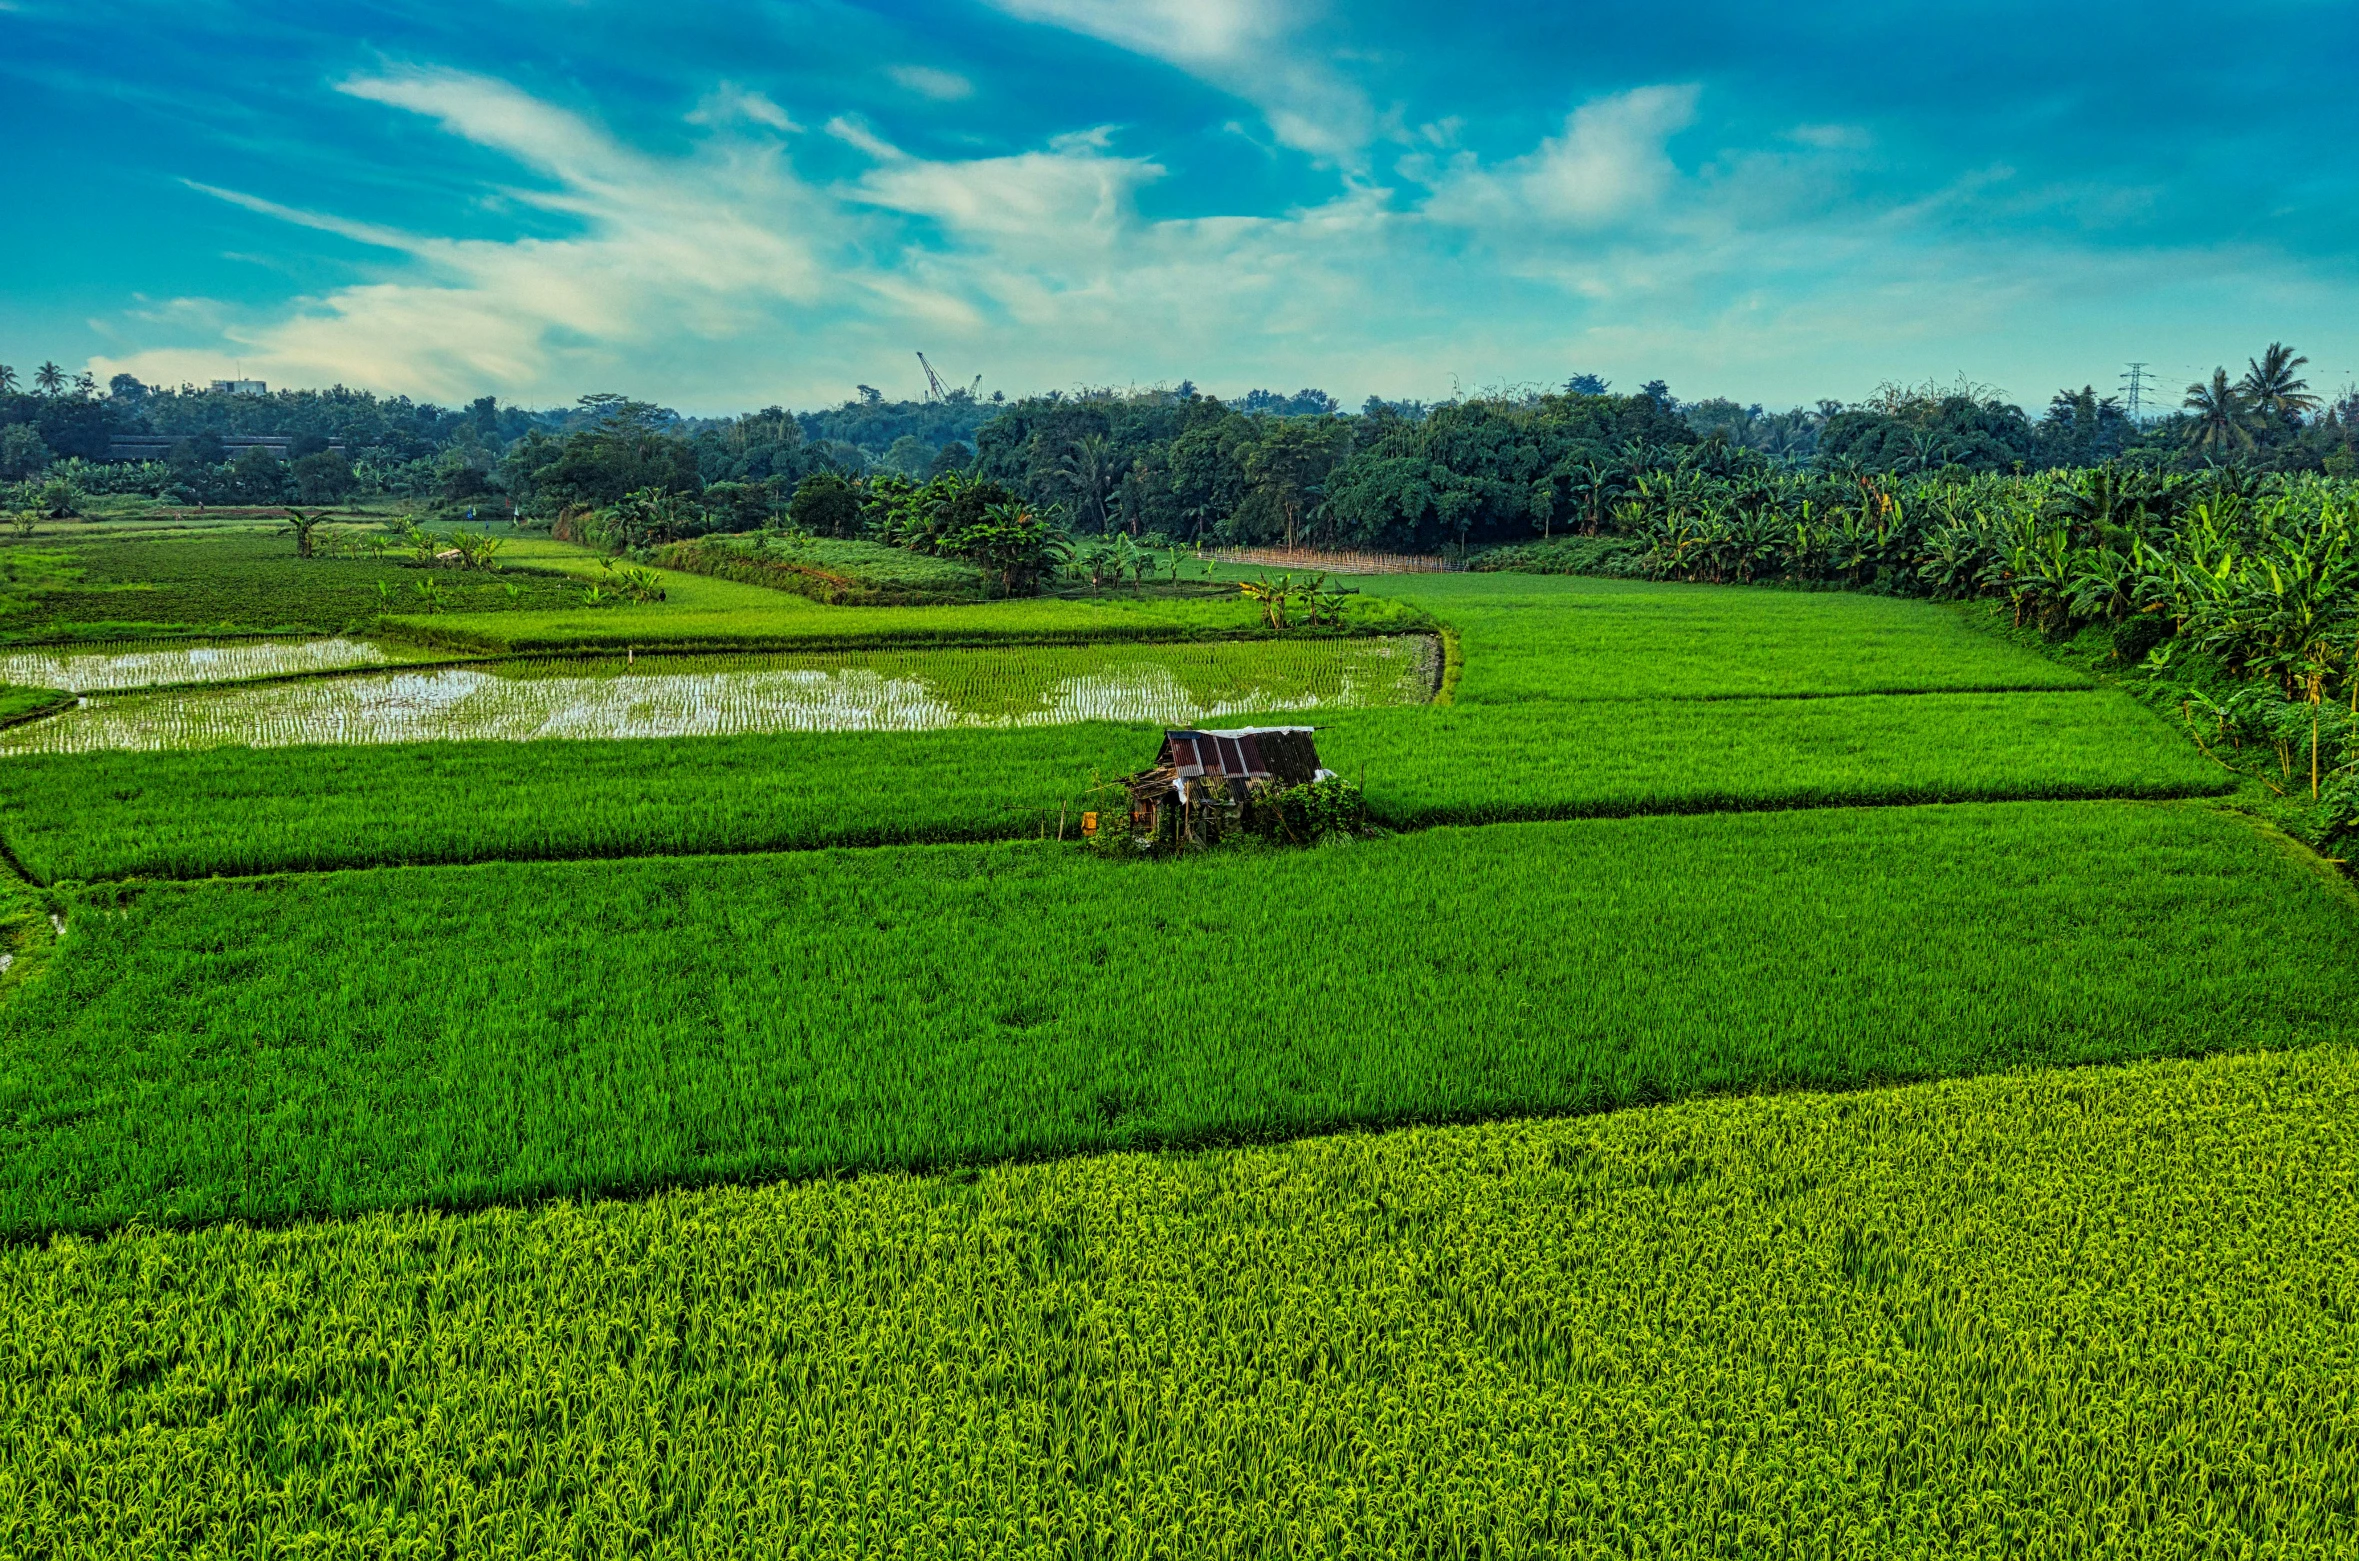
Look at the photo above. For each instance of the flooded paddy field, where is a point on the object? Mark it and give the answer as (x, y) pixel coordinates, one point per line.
(679, 696)
(84, 669)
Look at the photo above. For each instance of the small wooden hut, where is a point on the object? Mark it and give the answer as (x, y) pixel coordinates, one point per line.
(1207, 771)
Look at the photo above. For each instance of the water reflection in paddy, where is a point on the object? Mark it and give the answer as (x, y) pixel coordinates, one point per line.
(716, 695)
(86, 669)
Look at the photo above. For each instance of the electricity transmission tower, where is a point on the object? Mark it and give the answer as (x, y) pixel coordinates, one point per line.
(2137, 379)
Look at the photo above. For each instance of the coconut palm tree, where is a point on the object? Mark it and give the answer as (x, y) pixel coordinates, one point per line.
(2221, 415)
(2269, 385)
(1088, 469)
(49, 379)
(7, 379)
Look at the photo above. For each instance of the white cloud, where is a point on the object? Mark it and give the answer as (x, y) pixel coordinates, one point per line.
(1609, 166)
(665, 251)
(858, 136)
(1831, 138)
(943, 86)
(730, 101)
(492, 113)
(1185, 32)
(1251, 48)
(1070, 194)
(359, 232)
(723, 278)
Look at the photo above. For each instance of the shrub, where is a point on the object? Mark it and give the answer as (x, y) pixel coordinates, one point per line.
(1307, 813)
(825, 505)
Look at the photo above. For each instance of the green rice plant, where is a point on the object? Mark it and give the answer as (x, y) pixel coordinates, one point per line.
(1559, 638)
(20, 703)
(129, 664)
(186, 814)
(701, 612)
(232, 582)
(335, 1042)
(840, 571)
(673, 696)
(2104, 1313)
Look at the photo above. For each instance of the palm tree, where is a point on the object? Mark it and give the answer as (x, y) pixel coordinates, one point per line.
(49, 378)
(2220, 415)
(7, 379)
(1927, 449)
(2269, 385)
(1088, 469)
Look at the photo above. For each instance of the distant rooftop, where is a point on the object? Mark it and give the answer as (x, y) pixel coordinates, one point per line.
(242, 387)
(155, 447)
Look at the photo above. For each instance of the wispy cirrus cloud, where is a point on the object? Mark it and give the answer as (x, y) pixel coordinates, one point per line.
(1255, 49)
(725, 275)
(665, 249)
(943, 86)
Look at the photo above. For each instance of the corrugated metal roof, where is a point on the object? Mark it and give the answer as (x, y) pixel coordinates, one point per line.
(1236, 753)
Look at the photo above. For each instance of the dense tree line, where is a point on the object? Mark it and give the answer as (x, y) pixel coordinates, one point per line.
(1270, 467)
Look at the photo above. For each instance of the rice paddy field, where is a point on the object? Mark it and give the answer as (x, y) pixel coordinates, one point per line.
(702, 612)
(79, 590)
(681, 696)
(1552, 639)
(591, 1027)
(1793, 1074)
(2087, 1312)
(127, 664)
(182, 814)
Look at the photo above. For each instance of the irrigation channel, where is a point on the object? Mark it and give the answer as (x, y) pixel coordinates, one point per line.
(722, 695)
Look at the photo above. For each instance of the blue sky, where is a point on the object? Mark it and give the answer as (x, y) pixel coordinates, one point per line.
(721, 205)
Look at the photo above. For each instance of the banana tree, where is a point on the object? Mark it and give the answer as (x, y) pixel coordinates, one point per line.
(303, 526)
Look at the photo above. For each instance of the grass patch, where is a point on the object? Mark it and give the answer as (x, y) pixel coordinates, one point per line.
(341, 1042)
(2092, 1314)
(233, 810)
(785, 622)
(1565, 555)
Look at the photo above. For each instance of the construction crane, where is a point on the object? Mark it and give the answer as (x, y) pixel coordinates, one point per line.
(936, 390)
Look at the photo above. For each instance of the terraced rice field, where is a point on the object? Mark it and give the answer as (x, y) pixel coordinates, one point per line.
(688, 696)
(388, 1209)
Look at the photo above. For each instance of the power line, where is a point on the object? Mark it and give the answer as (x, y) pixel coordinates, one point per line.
(2138, 379)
